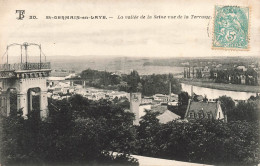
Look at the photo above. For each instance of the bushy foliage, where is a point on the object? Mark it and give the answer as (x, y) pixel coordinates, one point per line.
(132, 82)
(248, 111)
(82, 131)
(212, 142)
(183, 98)
(78, 131)
(159, 83)
(244, 110)
(99, 78)
(227, 103)
(149, 125)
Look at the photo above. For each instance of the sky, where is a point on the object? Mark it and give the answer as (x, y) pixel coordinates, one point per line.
(120, 37)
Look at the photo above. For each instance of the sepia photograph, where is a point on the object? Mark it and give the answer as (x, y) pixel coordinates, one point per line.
(129, 83)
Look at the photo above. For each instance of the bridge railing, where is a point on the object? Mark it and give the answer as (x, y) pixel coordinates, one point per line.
(25, 66)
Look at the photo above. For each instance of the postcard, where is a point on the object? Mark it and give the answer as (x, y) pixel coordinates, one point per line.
(129, 82)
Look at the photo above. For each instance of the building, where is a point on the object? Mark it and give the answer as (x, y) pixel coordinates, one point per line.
(164, 98)
(139, 110)
(159, 97)
(119, 95)
(205, 72)
(167, 116)
(174, 103)
(196, 72)
(243, 68)
(204, 110)
(243, 79)
(215, 74)
(54, 81)
(147, 100)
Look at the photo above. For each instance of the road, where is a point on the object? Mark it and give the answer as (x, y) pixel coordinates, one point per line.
(149, 161)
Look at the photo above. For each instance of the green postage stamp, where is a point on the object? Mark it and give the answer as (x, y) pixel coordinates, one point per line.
(231, 25)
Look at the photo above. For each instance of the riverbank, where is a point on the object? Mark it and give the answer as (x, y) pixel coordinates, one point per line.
(221, 86)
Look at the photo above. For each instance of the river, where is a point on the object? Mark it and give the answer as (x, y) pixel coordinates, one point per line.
(215, 93)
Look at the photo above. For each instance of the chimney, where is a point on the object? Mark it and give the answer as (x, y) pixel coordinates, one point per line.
(225, 117)
(193, 72)
(192, 92)
(170, 90)
(189, 72)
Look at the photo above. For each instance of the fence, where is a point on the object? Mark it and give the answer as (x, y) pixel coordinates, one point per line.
(25, 66)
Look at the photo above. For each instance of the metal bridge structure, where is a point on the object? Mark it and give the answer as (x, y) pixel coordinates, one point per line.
(24, 77)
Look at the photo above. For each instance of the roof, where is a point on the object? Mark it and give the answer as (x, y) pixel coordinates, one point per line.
(205, 107)
(167, 116)
(56, 78)
(160, 95)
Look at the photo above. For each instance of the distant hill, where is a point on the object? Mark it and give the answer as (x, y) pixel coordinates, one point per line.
(64, 64)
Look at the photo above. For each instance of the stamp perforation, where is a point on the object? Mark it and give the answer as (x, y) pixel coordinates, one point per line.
(248, 30)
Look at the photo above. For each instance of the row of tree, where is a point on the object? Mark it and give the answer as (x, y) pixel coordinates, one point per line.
(195, 73)
(133, 82)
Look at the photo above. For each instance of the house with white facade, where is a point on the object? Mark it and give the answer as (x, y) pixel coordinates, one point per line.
(204, 110)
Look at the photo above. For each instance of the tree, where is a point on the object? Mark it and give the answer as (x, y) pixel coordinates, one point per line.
(205, 99)
(122, 102)
(183, 98)
(248, 111)
(149, 126)
(195, 97)
(211, 74)
(204, 141)
(154, 84)
(77, 131)
(227, 105)
(133, 80)
(100, 79)
(257, 97)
